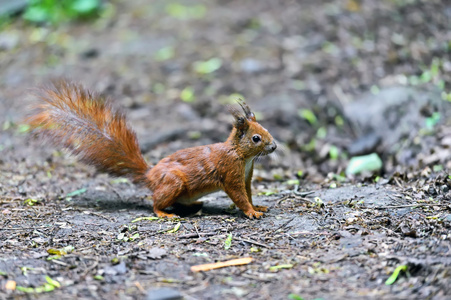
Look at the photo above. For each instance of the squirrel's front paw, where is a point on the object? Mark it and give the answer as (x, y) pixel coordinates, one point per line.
(261, 208)
(254, 214)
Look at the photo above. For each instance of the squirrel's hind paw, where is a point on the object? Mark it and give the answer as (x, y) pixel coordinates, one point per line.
(260, 208)
(162, 214)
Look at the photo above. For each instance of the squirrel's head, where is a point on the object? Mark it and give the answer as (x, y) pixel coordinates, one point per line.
(250, 137)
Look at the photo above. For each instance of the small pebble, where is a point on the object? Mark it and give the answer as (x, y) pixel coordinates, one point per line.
(164, 294)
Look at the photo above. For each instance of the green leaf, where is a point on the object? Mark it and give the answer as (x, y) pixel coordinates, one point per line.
(62, 251)
(52, 282)
(339, 121)
(187, 94)
(30, 201)
(209, 66)
(292, 182)
(437, 168)
(99, 277)
(76, 193)
(165, 53)
(53, 257)
(85, 7)
(22, 128)
(432, 120)
(278, 267)
(186, 12)
(318, 202)
(358, 164)
(321, 133)
(295, 297)
(134, 237)
(36, 14)
(396, 272)
(176, 228)
(333, 152)
(145, 218)
(119, 180)
(27, 290)
(228, 242)
(308, 115)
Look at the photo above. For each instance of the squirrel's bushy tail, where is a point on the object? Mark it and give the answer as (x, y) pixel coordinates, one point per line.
(90, 128)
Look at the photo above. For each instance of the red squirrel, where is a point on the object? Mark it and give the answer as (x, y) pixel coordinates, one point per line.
(97, 133)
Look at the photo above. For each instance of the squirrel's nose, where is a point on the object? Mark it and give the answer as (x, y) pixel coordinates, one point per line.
(274, 146)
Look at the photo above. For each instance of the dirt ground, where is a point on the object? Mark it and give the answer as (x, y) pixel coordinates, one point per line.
(330, 80)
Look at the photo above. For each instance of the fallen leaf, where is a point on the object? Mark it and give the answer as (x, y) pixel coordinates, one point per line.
(228, 242)
(176, 228)
(278, 267)
(10, 285)
(156, 253)
(145, 218)
(358, 164)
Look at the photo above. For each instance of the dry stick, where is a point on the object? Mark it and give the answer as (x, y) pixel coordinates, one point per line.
(89, 269)
(251, 242)
(25, 228)
(140, 287)
(55, 261)
(308, 233)
(284, 224)
(195, 235)
(303, 194)
(233, 262)
(282, 199)
(408, 205)
(397, 182)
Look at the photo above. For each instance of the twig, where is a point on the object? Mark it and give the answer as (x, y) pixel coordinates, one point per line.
(59, 262)
(284, 224)
(397, 182)
(24, 228)
(197, 231)
(308, 232)
(252, 242)
(195, 235)
(92, 267)
(303, 199)
(140, 287)
(282, 199)
(408, 205)
(303, 194)
(233, 262)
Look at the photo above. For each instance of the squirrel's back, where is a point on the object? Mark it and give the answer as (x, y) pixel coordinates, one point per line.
(89, 127)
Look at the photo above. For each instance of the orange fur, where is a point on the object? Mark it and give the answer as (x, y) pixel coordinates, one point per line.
(89, 127)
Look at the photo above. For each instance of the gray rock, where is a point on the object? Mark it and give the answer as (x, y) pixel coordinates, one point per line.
(10, 7)
(164, 294)
(396, 110)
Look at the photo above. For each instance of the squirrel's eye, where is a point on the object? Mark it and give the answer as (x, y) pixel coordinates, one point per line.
(256, 138)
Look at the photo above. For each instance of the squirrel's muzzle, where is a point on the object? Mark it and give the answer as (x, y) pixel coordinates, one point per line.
(271, 148)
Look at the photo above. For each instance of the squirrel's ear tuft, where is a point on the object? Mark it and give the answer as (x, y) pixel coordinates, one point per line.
(241, 122)
(247, 111)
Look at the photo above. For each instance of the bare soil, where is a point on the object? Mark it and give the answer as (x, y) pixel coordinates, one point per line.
(375, 74)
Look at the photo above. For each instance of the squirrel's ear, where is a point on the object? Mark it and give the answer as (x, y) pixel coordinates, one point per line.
(241, 122)
(247, 111)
